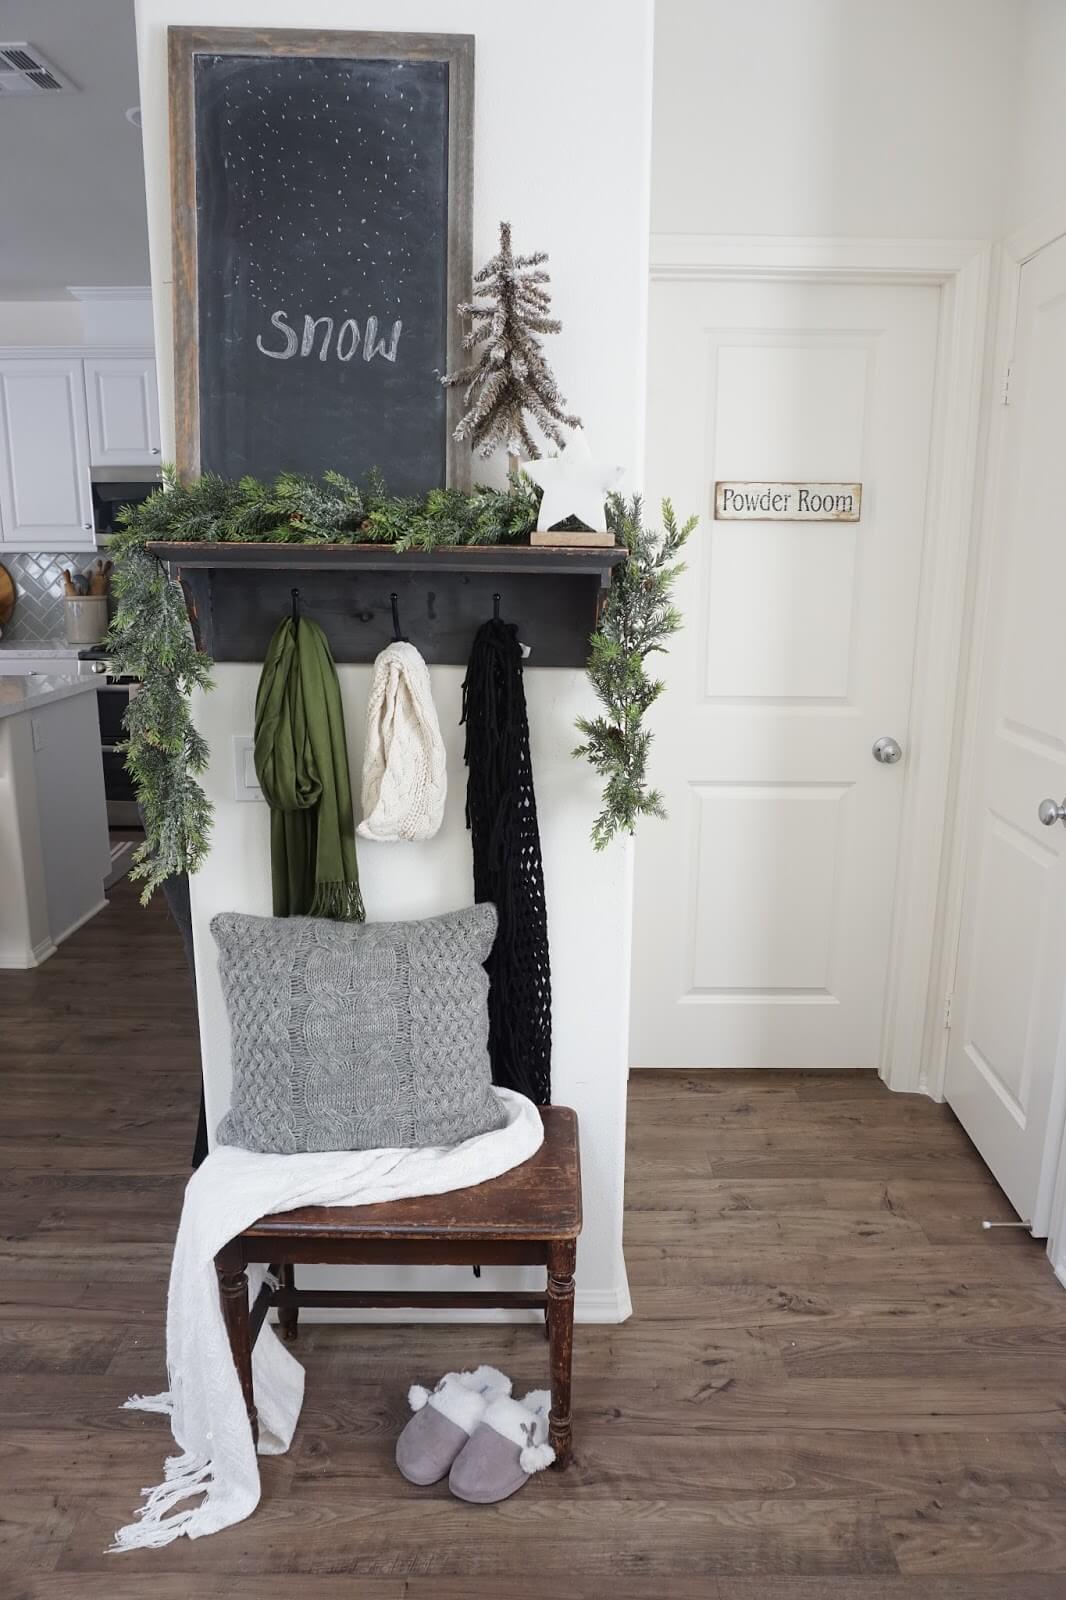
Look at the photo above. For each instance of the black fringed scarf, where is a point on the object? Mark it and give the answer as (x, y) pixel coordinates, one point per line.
(501, 813)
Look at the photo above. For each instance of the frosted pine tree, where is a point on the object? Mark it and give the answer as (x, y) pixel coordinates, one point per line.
(510, 382)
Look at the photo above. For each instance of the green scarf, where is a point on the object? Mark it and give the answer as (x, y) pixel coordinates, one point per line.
(301, 759)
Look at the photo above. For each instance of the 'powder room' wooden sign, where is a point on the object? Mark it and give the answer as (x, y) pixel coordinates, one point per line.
(787, 502)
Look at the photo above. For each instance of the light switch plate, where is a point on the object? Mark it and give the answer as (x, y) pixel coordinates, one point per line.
(245, 782)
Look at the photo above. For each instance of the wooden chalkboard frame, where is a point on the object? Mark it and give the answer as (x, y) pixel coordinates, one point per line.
(184, 44)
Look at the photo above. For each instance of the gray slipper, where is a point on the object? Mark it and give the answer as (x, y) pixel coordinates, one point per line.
(507, 1447)
(444, 1418)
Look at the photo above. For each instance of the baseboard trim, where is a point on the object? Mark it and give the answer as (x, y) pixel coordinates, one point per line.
(658, 1066)
(82, 920)
(19, 961)
(598, 1307)
(121, 862)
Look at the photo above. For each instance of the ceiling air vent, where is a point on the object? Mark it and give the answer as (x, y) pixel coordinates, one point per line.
(24, 70)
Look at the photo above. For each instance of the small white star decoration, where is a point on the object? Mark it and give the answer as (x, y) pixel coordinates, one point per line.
(575, 485)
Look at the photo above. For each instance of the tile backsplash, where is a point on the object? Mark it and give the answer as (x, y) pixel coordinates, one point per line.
(38, 614)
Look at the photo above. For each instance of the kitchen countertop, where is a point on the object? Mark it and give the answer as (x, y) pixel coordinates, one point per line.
(42, 647)
(31, 693)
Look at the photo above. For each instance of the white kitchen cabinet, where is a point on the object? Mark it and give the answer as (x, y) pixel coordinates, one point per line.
(45, 496)
(55, 853)
(123, 404)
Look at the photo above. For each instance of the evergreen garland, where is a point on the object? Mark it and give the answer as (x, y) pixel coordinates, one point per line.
(150, 638)
(637, 619)
(298, 510)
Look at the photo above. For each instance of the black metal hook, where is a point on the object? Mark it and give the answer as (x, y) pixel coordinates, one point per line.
(524, 648)
(295, 605)
(399, 637)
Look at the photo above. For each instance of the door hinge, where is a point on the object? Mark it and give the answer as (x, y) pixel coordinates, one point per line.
(1005, 394)
(947, 1010)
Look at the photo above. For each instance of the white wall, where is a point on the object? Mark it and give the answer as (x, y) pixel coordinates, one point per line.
(562, 134)
(1037, 179)
(36, 322)
(104, 317)
(829, 117)
(120, 315)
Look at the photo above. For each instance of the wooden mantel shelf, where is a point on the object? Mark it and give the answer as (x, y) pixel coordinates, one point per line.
(237, 593)
(510, 558)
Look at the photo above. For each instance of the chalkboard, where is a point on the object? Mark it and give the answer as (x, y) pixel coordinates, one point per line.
(322, 237)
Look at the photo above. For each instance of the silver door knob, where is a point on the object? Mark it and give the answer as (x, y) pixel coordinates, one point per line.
(1050, 812)
(887, 750)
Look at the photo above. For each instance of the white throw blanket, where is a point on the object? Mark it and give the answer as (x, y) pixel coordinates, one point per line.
(405, 775)
(232, 1189)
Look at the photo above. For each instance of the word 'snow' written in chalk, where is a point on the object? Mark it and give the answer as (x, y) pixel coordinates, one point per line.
(787, 502)
(317, 336)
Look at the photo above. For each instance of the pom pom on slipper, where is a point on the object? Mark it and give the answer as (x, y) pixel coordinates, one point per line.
(444, 1418)
(508, 1446)
(535, 1457)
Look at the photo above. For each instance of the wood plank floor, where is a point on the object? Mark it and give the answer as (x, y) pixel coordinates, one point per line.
(835, 1386)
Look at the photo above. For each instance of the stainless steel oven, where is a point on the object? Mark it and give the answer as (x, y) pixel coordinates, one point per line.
(111, 701)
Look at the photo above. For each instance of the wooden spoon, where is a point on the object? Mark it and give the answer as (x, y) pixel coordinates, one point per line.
(99, 578)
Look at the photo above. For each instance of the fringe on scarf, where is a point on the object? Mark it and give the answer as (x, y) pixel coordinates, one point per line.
(163, 1403)
(341, 902)
(184, 1476)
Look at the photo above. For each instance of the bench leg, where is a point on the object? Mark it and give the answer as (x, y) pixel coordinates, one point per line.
(561, 1257)
(233, 1295)
(288, 1313)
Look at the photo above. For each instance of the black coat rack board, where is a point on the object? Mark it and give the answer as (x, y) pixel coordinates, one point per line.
(236, 594)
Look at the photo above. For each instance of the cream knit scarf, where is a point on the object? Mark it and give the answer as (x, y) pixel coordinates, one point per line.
(405, 778)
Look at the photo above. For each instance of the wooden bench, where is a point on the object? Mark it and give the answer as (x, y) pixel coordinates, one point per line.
(530, 1216)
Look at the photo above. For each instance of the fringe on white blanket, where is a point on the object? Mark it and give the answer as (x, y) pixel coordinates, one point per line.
(405, 773)
(231, 1190)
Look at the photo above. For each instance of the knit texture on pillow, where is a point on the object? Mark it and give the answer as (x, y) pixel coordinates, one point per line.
(357, 1036)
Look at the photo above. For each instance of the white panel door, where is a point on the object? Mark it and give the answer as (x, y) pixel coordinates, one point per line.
(123, 401)
(764, 905)
(1006, 1075)
(45, 497)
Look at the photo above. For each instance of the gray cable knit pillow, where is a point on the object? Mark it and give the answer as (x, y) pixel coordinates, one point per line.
(356, 1035)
